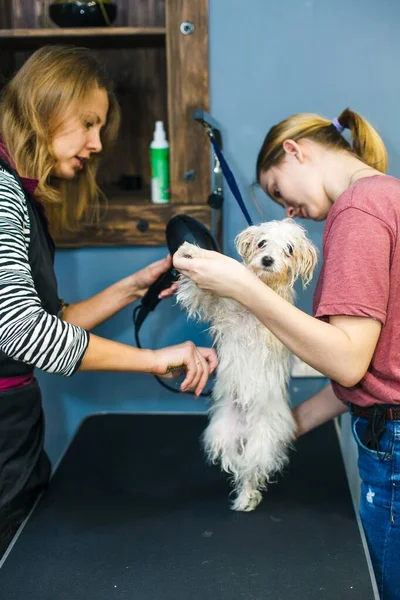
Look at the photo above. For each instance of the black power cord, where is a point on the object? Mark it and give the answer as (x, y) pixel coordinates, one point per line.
(137, 323)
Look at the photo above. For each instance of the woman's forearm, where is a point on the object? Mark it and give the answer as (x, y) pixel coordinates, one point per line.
(194, 363)
(106, 355)
(318, 409)
(97, 309)
(321, 345)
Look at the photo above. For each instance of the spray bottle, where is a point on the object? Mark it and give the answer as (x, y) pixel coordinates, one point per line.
(159, 161)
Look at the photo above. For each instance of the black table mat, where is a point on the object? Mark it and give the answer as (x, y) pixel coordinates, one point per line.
(134, 513)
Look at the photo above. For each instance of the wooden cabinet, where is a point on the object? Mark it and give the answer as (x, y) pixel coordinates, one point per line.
(161, 73)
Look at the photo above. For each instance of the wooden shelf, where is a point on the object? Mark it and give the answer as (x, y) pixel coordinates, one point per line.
(116, 37)
(131, 220)
(159, 74)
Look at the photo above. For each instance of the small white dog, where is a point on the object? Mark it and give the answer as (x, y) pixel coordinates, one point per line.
(251, 424)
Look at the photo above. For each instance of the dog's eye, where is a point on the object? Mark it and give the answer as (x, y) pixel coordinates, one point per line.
(290, 249)
(261, 244)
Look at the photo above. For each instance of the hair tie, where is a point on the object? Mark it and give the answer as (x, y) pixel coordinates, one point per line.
(337, 125)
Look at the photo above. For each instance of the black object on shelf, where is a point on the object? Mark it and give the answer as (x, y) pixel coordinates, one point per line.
(130, 182)
(83, 13)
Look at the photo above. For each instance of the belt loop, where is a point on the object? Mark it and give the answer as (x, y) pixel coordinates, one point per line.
(390, 414)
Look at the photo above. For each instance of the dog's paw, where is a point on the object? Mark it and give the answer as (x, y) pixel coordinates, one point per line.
(247, 501)
(187, 250)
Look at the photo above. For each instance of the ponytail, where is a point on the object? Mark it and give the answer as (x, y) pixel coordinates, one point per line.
(366, 143)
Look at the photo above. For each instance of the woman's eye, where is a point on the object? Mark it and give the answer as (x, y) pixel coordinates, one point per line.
(290, 249)
(261, 244)
(277, 193)
(88, 124)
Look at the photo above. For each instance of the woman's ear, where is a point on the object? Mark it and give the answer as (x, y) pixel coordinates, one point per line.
(293, 149)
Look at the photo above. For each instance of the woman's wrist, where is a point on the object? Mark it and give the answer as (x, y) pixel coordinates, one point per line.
(142, 361)
(129, 289)
(150, 362)
(245, 287)
(301, 420)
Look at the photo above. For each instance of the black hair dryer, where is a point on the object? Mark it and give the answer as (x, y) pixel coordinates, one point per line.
(180, 229)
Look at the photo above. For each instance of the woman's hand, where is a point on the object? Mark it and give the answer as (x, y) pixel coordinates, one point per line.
(143, 279)
(90, 313)
(197, 363)
(213, 271)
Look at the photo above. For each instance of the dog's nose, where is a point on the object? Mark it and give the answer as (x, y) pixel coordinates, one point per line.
(267, 261)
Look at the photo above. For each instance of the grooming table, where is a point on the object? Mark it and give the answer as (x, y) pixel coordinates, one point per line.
(134, 513)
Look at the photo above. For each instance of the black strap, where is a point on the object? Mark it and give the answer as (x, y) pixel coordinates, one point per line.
(375, 428)
(230, 179)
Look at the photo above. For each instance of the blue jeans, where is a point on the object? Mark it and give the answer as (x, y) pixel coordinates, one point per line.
(380, 504)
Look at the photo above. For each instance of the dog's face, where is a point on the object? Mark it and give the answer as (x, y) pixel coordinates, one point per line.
(278, 250)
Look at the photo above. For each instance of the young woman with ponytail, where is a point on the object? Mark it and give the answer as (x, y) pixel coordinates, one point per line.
(307, 165)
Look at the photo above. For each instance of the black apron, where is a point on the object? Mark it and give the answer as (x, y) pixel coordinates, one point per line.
(24, 465)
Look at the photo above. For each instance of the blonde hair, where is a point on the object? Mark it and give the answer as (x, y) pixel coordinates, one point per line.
(366, 144)
(32, 108)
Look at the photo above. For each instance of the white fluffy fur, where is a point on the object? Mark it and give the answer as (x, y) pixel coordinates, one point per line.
(251, 424)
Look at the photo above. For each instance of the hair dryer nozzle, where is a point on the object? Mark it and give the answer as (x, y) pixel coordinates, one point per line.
(180, 229)
(183, 228)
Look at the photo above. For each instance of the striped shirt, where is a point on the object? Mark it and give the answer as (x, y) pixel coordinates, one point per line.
(27, 332)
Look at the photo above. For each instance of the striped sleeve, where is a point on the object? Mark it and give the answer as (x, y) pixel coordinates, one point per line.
(27, 332)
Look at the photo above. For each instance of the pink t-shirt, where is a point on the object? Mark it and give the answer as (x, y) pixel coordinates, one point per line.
(360, 277)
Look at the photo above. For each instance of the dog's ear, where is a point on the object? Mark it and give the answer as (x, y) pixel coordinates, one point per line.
(307, 261)
(244, 242)
(187, 250)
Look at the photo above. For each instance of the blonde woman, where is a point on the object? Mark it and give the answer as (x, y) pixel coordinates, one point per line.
(58, 117)
(307, 165)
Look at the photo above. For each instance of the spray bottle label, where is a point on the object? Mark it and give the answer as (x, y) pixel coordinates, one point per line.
(160, 187)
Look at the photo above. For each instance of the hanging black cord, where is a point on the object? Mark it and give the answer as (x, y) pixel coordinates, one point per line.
(379, 426)
(160, 381)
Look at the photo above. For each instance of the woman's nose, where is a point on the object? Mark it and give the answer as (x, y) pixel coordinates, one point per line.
(95, 144)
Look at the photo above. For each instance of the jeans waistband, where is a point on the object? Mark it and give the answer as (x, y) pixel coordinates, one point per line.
(392, 411)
